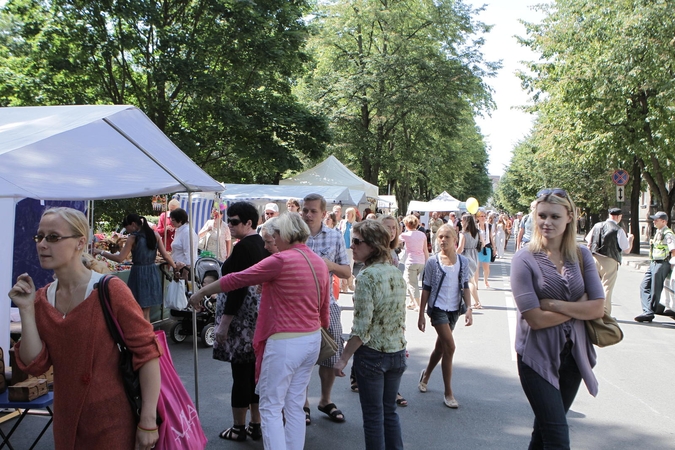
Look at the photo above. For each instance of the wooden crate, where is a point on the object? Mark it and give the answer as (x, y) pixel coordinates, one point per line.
(28, 390)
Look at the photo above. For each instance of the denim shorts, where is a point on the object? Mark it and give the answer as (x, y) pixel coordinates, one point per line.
(439, 317)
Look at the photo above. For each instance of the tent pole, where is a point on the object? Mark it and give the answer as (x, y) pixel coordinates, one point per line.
(194, 311)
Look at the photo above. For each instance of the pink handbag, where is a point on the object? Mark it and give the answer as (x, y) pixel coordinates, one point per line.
(181, 428)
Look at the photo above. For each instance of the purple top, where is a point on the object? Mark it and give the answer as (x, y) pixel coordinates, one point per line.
(534, 276)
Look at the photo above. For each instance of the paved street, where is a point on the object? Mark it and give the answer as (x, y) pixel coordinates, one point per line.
(634, 409)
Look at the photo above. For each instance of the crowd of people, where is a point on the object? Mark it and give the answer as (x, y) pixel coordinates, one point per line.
(275, 294)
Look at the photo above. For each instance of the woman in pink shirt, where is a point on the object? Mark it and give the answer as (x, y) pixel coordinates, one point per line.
(417, 254)
(287, 337)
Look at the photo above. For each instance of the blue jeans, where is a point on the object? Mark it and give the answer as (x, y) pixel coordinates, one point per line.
(549, 404)
(379, 376)
(652, 285)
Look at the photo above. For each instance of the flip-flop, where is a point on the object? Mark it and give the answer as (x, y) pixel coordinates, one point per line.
(422, 386)
(400, 401)
(331, 411)
(308, 419)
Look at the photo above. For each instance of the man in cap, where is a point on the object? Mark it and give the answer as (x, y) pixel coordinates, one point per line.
(271, 210)
(661, 250)
(606, 241)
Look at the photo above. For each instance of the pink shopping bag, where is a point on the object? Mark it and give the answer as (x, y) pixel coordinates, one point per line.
(180, 428)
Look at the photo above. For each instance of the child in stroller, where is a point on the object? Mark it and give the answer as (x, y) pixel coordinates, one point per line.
(207, 271)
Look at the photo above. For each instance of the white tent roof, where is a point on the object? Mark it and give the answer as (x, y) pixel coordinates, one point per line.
(274, 193)
(83, 153)
(333, 173)
(444, 202)
(90, 153)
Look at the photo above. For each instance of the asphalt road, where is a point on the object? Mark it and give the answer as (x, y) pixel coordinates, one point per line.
(634, 409)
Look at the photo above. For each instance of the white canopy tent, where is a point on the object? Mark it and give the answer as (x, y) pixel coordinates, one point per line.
(332, 172)
(276, 193)
(83, 153)
(444, 202)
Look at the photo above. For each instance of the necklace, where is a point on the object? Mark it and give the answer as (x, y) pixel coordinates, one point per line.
(70, 303)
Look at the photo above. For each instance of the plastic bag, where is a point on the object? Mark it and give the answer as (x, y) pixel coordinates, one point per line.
(181, 428)
(174, 295)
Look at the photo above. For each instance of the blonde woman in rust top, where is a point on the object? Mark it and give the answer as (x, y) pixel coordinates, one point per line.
(287, 337)
(87, 381)
(377, 339)
(554, 299)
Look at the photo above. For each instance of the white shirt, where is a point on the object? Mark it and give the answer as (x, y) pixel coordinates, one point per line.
(449, 294)
(180, 248)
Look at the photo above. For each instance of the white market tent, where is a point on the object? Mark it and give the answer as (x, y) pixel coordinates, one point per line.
(444, 202)
(332, 172)
(276, 193)
(83, 153)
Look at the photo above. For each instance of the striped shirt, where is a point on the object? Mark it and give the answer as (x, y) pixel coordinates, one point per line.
(533, 277)
(329, 243)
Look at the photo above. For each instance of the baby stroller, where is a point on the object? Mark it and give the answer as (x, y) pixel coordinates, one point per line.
(206, 317)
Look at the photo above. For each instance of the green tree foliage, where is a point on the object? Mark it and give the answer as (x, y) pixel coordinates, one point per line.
(215, 75)
(603, 90)
(400, 82)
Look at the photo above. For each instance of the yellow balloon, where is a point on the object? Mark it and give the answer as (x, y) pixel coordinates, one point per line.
(471, 205)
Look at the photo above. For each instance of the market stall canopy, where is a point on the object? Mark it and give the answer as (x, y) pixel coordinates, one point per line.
(332, 172)
(91, 153)
(276, 193)
(444, 202)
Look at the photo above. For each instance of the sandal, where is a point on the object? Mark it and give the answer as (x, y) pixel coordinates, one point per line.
(236, 433)
(308, 419)
(354, 385)
(422, 386)
(331, 411)
(253, 430)
(400, 401)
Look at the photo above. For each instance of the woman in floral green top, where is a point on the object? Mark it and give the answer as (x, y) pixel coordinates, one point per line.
(377, 339)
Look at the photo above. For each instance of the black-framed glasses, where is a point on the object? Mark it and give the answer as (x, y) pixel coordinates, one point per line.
(357, 241)
(51, 238)
(233, 222)
(562, 193)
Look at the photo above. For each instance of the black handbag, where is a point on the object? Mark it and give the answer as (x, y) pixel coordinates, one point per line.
(132, 384)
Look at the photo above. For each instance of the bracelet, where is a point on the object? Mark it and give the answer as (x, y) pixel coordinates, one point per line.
(149, 430)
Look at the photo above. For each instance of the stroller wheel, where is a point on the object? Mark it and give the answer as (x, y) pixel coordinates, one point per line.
(208, 335)
(175, 333)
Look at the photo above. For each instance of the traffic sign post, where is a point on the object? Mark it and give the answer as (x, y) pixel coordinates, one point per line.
(620, 194)
(620, 177)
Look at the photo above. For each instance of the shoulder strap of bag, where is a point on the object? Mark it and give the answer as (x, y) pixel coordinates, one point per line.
(110, 320)
(316, 280)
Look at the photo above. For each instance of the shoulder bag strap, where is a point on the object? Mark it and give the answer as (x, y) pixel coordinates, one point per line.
(113, 325)
(316, 280)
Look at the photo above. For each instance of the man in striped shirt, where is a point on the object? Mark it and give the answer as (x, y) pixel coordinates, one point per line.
(329, 244)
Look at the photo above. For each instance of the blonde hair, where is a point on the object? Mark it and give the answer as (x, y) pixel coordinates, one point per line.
(173, 204)
(568, 246)
(446, 227)
(77, 221)
(411, 221)
(351, 211)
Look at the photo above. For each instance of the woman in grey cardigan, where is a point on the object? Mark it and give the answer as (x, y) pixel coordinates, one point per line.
(445, 296)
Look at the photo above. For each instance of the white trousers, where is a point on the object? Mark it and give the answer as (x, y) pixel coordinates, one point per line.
(284, 376)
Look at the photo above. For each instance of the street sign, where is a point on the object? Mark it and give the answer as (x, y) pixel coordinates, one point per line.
(620, 194)
(620, 177)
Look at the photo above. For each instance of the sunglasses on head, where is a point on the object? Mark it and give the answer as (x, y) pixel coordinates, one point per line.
(562, 193)
(234, 222)
(51, 238)
(357, 241)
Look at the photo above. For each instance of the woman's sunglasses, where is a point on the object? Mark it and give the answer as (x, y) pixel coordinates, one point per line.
(357, 241)
(562, 193)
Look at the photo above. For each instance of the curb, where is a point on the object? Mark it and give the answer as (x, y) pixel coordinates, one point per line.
(638, 263)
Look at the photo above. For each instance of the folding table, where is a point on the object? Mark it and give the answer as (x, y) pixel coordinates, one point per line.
(42, 402)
